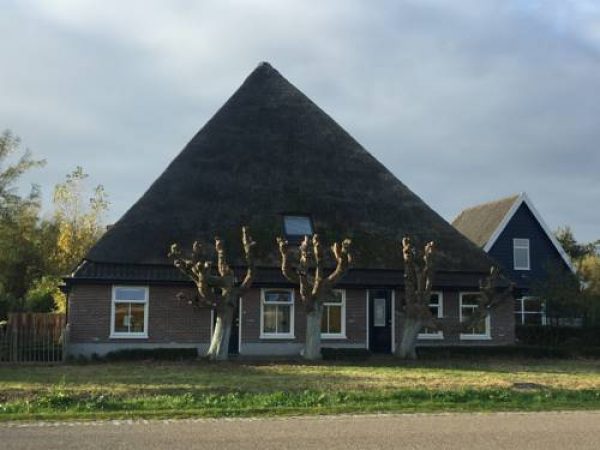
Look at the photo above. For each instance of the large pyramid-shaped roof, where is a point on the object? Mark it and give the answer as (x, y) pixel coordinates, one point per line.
(267, 152)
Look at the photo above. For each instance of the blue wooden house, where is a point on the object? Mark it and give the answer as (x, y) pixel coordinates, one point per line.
(512, 231)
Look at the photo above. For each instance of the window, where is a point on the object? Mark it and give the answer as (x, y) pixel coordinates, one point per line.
(521, 254)
(333, 320)
(379, 312)
(436, 307)
(277, 313)
(129, 312)
(529, 311)
(469, 302)
(297, 226)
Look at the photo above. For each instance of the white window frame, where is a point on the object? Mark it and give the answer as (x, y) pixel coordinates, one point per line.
(289, 335)
(519, 243)
(522, 310)
(146, 302)
(342, 334)
(488, 322)
(438, 335)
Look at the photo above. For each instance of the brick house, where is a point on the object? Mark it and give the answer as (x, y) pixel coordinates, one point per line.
(271, 159)
(513, 232)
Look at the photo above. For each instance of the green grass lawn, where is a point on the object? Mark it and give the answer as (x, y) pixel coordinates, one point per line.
(167, 389)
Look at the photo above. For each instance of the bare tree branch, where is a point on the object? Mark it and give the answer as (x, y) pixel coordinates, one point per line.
(318, 258)
(222, 266)
(313, 286)
(343, 260)
(418, 281)
(286, 269)
(248, 244)
(220, 290)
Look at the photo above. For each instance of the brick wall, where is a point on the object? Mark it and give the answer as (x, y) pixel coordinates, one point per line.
(355, 319)
(502, 323)
(168, 319)
(173, 322)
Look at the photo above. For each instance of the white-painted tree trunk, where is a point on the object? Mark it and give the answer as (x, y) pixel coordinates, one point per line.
(312, 345)
(219, 344)
(408, 342)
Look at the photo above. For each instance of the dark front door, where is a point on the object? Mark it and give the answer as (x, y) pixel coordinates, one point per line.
(380, 321)
(234, 338)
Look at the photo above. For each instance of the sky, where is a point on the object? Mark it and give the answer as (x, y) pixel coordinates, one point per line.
(464, 101)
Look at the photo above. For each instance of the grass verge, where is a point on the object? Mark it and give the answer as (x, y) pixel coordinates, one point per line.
(236, 389)
(59, 405)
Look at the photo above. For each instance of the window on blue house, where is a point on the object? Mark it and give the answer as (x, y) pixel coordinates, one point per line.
(521, 254)
(529, 311)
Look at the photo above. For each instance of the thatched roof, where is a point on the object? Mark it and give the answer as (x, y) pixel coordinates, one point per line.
(479, 222)
(270, 151)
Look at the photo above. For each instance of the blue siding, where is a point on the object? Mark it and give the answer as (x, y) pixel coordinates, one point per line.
(542, 253)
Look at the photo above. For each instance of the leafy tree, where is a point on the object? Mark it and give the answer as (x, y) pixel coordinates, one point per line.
(576, 295)
(20, 258)
(562, 294)
(78, 224)
(35, 253)
(10, 200)
(576, 250)
(589, 270)
(44, 296)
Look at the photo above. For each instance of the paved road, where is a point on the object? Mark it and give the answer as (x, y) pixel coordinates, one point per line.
(548, 431)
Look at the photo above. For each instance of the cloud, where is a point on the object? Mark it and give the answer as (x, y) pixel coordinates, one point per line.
(463, 101)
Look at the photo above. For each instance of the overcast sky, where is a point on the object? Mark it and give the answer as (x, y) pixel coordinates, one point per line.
(465, 101)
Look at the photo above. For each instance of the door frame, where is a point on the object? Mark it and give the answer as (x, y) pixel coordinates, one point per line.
(368, 300)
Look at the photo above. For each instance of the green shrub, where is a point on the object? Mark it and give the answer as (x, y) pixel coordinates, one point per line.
(508, 351)
(167, 354)
(558, 336)
(345, 353)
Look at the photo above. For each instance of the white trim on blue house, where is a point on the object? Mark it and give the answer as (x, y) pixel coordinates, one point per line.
(523, 198)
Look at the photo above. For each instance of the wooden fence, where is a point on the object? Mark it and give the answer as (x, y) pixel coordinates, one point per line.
(32, 337)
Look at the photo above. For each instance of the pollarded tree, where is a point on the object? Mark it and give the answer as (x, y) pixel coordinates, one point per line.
(418, 282)
(314, 287)
(494, 290)
(419, 270)
(220, 290)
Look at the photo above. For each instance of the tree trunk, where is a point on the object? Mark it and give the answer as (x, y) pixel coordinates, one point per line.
(312, 345)
(219, 344)
(410, 331)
